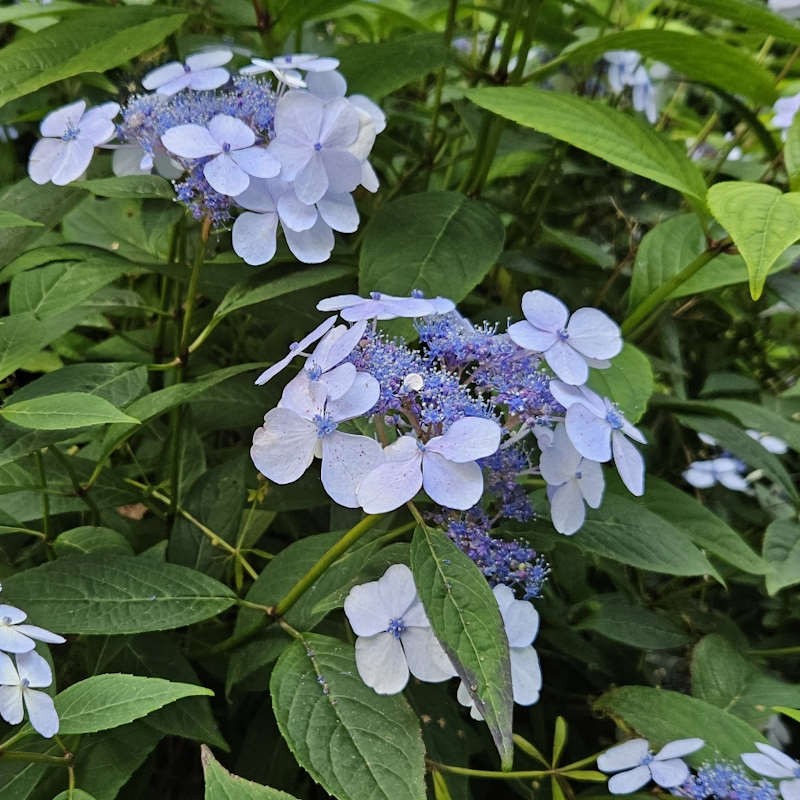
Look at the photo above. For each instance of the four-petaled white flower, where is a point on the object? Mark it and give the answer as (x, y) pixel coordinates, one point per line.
(18, 688)
(636, 765)
(352, 307)
(774, 764)
(287, 68)
(18, 638)
(521, 623)
(445, 466)
(296, 349)
(598, 430)
(232, 143)
(725, 470)
(570, 344)
(200, 72)
(394, 634)
(71, 134)
(572, 480)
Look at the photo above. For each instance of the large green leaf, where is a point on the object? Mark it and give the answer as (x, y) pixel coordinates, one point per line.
(721, 675)
(662, 716)
(441, 243)
(761, 221)
(107, 701)
(378, 69)
(791, 152)
(749, 15)
(223, 785)
(63, 411)
(8, 219)
(127, 186)
(781, 551)
(761, 419)
(628, 382)
(699, 58)
(90, 42)
(91, 539)
(614, 136)
(94, 594)
(352, 741)
(466, 620)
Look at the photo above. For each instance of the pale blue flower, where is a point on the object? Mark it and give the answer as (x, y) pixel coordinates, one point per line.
(394, 635)
(287, 68)
(772, 763)
(570, 344)
(725, 470)
(71, 134)
(351, 307)
(772, 444)
(201, 71)
(445, 466)
(625, 68)
(16, 637)
(785, 109)
(636, 765)
(521, 624)
(232, 143)
(599, 431)
(572, 480)
(18, 692)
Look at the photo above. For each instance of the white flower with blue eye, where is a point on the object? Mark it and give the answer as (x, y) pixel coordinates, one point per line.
(18, 692)
(636, 765)
(445, 466)
(521, 624)
(725, 470)
(772, 763)
(599, 431)
(232, 143)
(201, 71)
(570, 344)
(394, 634)
(572, 480)
(16, 637)
(287, 69)
(71, 134)
(351, 307)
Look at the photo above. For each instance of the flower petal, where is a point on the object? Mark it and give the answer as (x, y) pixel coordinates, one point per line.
(381, 663)
(11, 709)
(365, 611)
(594, 334)
(206, 79)
(670, 773)
(450, 484)
(790, 790)
(35, 632)
(391, 484)
(8, 672)
(257, 161)
(283, 448)
(339, 211)
(467, 439)
(426, 658)
(254, 237)
(226, 176)
(630, 781)
(295, 214)
(231, 131)
(190, 141)
(57, 122)
(163, 74)
(96, 124)
(339, 343)
(567, 511)
(678, 748)
(567, 363)
(76, 158)
(591, 482)
(629, 463)
(312, 246)
(623, 756)
(590, 435)
(338, 380)
(45, 159)
(209, 58)
(526, 675)
(346, 459)
(544, 311)
(41, 712)
(521, 621)
(340, 124)
(33, 668)
(357, 400)
(343, 171)
(311, 182)
(530, 338)
(14, 641)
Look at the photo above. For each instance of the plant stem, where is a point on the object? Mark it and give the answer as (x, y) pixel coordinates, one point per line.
(45, 499)
(488, 773)
(305, 583)
(39, 758)
(437, 98)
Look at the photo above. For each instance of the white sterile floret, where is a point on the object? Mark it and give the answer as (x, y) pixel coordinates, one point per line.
(772, 444)
(394, 634)
(521, 623)
(305, 62)
(312, 141)
(18, 638)
(598, 430)
(381, 306)
(201, 71)
(304, 425)
(570, 344)
(232, 143)
(17, 692)
(71, 134)
(445, 466)
(772, 763)
(725, 470)
(296, 349)
(572, 480)
(636, 765)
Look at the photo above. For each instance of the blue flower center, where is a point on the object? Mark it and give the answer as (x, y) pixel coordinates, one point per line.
(314, 371)
(646, 760)
(578, 475)
(318, 146)
(287, 59)
(226, 148)
(70, 133)
(418, 294)
(396, 627)
(24, 683)
(375, 295)
(187, 68)
(563, 335)
(325, 425)
(796, 773)
(614, 419)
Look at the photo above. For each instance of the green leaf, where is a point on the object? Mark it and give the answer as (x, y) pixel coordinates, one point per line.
(702, 526)
(27, 10)
(223, 785)
(664, 251)
(94, 41)
(761, 221)
(441, 243)
(622, 530)
(378, 69)
(129, 186)
(90, 539)
(621, 621)
(465, 617)
(721, 675)
(700, 58)
(93, 594)
(353, 742)
(74, 794)
(8, 219)
(761, 419)
(63, 411)
(749, 15)
(628, 382)
(107, 701)
(735, 440)
(791, 152)
(792, 713)
(662, 716)
(257, 290)
(781, 551)
(618, 138)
